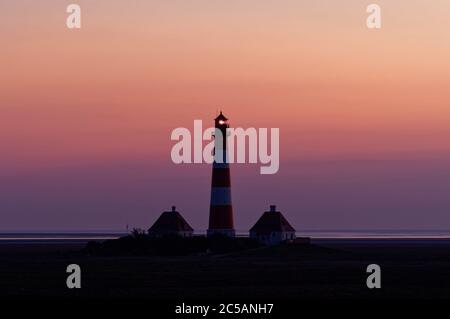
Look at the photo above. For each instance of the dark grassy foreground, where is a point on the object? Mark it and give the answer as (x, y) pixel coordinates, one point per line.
(419, 270)
(140, 244)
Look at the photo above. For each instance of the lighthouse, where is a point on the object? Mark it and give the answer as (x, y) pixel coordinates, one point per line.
(221, 209)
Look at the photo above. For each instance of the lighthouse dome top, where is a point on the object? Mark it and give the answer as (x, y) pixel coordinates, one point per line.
(221, 117)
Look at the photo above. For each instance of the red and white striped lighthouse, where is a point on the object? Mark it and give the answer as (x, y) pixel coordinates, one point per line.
(221, 209)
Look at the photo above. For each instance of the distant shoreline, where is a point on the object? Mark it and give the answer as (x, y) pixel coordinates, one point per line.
(319, 237)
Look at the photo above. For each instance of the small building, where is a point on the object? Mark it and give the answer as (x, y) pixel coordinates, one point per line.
(272, 228)
(171, 223)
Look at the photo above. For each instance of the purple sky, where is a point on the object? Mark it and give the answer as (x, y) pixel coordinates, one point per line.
(313, 194)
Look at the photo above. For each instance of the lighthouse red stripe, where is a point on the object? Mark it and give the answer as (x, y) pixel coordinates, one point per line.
(221, 217)
(221, 177)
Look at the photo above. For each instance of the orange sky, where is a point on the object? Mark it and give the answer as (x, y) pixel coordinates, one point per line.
(311, 66)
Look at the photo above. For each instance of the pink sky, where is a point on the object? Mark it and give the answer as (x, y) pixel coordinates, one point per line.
(86, 115)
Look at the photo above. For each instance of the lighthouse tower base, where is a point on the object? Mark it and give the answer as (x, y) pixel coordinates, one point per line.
(222, 232)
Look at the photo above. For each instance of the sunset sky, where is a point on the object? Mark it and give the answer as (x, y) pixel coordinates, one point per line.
(86, 115)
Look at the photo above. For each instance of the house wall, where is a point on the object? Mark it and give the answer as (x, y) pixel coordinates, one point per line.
(273, 238)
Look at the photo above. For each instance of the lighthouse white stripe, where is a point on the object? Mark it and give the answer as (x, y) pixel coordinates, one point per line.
(220, 157)
(220, 196)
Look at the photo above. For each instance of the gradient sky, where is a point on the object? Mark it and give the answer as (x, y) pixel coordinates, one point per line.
(86, 115)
